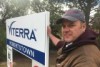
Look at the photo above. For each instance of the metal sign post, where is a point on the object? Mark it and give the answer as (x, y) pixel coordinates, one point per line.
(9, 56)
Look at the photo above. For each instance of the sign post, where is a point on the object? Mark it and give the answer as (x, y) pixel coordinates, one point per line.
(28, 36)
(9, 56)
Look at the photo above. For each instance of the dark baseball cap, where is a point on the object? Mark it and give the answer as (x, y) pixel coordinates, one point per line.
(72, 15)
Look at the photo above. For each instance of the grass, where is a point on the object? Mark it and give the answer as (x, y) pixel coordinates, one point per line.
(3, 64)
(22, 61)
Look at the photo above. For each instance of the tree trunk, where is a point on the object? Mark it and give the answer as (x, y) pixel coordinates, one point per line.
(87, 16)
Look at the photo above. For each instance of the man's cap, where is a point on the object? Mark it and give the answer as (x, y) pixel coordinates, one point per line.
(72, 15)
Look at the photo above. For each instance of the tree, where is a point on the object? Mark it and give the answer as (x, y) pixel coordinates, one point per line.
(9, 9)
(13, 8)
(95, 24)
(85, 5)
(96, 20)
(55, 10)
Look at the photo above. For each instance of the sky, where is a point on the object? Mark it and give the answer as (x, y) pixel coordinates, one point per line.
(66, 8)
(91, 13)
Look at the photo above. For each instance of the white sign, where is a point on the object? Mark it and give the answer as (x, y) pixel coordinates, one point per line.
(28, 35)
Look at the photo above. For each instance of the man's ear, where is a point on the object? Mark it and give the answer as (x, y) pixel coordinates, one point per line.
(84, 26)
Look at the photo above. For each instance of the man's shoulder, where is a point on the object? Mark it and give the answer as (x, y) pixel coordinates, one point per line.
(88, 50)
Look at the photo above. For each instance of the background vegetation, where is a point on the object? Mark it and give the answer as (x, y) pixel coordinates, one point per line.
(15, 8)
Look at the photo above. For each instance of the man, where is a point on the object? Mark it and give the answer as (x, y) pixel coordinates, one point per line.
(78, 46)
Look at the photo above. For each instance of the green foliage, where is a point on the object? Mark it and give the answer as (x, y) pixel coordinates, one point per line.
(53, 8)
(9, 9)
(55, 13)
(2, 43)
(85, 5)
(96, 24)
(13, 8)
(96, 21)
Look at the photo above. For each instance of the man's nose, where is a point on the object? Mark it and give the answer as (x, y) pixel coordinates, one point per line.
(66, 29)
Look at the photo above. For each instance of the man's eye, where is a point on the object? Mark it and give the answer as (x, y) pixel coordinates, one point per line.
(72, 25)
(64, 26)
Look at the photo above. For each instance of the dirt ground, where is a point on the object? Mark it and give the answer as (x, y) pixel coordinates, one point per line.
(23, 61)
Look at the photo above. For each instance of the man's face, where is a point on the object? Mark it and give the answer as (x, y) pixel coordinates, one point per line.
(72, 30)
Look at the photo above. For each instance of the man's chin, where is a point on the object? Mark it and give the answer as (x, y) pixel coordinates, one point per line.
(68, 40)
